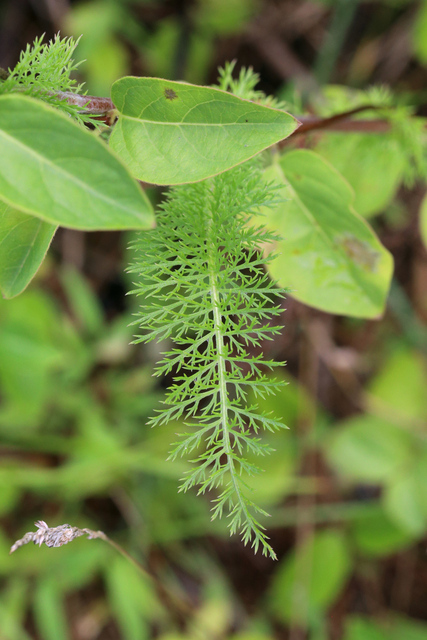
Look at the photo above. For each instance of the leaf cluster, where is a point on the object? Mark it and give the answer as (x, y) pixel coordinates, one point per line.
(203, 279)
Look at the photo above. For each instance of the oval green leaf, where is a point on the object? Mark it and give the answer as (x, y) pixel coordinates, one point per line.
(374, 534)
(402, 505)
(172, 132)
(372, 164)
(24, 241)
(369, 449)
(329, 257)
(52, 168)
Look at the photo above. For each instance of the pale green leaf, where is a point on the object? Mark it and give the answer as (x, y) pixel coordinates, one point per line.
(310, 581)
(387, 628)
(400, 386)
(173, 132)
(105, 56)
(372, 164)
(369, 449)
(419, 38)
(405, 498)
(24, 241)
(131, 599)
(329, 257)
(376, 535)
(52, 168)
(402, 505)
(79, 564)
(30, 351)
(49, 611)
(9, 497)
(13, 605)
(224, 17)
(83, 301)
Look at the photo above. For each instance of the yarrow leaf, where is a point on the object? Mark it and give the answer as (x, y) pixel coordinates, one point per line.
(44, 71)
(202, 282)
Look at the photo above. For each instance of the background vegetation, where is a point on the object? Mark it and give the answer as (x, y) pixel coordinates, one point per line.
(347, 484)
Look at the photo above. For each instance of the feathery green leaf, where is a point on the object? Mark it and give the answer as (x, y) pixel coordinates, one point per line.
(202, 282)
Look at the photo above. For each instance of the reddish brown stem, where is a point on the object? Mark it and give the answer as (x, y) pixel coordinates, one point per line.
(341, 122)
(99, 106)
(92, 104)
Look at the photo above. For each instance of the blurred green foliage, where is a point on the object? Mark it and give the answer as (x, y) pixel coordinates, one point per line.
(74, 403)
(75, 397)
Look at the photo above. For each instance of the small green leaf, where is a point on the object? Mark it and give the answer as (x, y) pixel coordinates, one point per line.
(370, 449)
(79, 565)
(13, 608)
(405, 498)
(131, 599)
(173, 132)
(224, 17)
(372, 164)
(105, 55)
(83, 301)
(391, 627)
(49, 611)
(402, 505)
(52, 168)
(324, 565)
(329, 256)
(359, 628)
(401, 385)
(30, 351)
(376, 535)
(24, 241)
(419, 36)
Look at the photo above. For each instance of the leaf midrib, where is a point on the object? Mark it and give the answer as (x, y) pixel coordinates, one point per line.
(71, 178)
(203, 124)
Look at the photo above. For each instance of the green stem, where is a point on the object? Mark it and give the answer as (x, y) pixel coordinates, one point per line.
(93, 105)
(238, 504)
(220, 348)
(328, 55)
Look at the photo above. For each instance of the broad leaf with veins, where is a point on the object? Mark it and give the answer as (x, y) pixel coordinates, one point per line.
(174, 132)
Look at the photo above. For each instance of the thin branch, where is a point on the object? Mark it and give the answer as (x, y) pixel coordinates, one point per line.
(339, 122)
(104, 107)
(179, 608)
(93, 105)
(311, 123)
